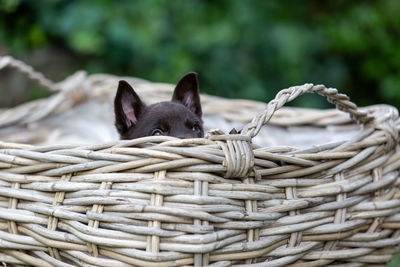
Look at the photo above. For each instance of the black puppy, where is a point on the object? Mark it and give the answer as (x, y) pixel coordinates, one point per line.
(180, 117)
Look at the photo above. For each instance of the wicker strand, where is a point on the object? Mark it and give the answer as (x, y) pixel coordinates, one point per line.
(97, 208)
(153, 242)
(341, 101)
(197, 191)
(53, 221)
(239, 157)
(8, 61)
(205, 192)
(12, 204)
(251, 207)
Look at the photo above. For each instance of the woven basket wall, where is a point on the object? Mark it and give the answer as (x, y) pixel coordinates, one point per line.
(221, 200)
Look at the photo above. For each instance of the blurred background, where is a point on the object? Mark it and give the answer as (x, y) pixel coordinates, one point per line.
(241, 49)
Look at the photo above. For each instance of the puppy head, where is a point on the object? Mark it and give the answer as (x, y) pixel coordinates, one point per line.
(180, 117)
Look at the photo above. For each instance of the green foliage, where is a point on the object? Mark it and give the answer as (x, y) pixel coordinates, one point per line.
(395, 261)
(241, 49)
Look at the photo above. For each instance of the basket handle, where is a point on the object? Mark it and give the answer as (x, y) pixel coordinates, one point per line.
(341, 101)
(8, 61)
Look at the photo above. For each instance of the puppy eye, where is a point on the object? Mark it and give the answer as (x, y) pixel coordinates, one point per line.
(157, 132)
(196, 128)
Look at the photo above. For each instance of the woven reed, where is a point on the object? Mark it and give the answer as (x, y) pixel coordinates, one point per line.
(221, 200)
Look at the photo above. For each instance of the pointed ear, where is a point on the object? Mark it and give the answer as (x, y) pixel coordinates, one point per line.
(127, 107)
(187, 92)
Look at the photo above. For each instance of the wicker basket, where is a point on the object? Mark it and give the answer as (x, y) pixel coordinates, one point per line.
(221, 200)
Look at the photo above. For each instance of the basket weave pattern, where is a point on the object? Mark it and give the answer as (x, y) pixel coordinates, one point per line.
(219, 200)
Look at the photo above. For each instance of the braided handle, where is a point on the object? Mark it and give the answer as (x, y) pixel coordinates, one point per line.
(341, 101)
(8, 61)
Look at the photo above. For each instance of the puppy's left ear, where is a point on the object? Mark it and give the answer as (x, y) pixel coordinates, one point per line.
(127, 107)
(187, 92)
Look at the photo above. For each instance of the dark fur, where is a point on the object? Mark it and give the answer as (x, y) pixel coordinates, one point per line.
(180, 117)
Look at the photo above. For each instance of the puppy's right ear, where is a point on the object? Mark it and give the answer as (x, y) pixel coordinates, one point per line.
(187, 93)
(127, 107)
